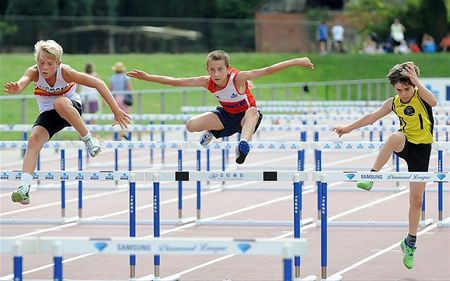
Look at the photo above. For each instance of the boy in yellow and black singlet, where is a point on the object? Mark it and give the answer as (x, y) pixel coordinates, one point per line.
(412, 142)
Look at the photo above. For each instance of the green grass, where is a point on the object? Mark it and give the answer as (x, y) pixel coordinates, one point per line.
(327, 68)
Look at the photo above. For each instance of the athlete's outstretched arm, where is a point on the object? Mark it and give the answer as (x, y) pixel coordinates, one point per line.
(17, 87)
(120, 117)
(255, 73)
(367, 119)
(201, 81)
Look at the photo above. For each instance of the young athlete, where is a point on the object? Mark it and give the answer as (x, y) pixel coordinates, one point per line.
(238, 111)
(413, 106)
(59, 106)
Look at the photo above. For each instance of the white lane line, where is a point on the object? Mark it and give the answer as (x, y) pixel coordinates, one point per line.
(371, 257)
(28, 209)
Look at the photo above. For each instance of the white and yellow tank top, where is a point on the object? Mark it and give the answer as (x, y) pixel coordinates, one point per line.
(46, 94)
(416, 119)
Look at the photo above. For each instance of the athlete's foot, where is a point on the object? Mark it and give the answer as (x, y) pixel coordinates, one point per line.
(92, 145)
(366, 185)
(21, 195)
(408, 255)
(242, 150)
(206, 138)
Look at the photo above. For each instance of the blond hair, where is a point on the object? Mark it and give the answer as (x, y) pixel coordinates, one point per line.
(397, 74)
(49, 49)
(218, 55)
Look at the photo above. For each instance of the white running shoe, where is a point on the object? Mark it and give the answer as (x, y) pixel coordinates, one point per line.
(206, 138)
(92, 145)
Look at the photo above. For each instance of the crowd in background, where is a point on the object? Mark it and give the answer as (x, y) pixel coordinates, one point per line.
(396, 43)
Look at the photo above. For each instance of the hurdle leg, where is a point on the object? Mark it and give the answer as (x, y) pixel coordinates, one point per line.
(180, 186)
(57, 261)
(80, 184)
(324, 233)
(442, 222)
(199, 186)
(132, 218)
(156, 225)
(17, 261)
(298, 203)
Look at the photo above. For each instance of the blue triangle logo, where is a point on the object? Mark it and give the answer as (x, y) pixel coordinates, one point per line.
(100, 246)
(350, 176)
(440, 176)
(244, 247)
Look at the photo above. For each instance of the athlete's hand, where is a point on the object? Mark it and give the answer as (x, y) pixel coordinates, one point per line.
(305, 62)
(410, 72)
(12, 88)
(138, 74)
(121, 118)
(340, 130)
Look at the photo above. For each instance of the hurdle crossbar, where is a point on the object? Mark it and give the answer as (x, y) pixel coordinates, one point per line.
(59, 246)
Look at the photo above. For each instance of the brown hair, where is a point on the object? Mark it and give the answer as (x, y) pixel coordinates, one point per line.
(218, 55)
(397, 73)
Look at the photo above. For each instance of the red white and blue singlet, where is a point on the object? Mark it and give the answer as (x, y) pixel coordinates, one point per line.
(229, 97)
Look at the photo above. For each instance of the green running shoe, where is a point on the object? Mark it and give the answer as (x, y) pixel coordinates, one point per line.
(408, 255)
(21, 196)
(366, 185)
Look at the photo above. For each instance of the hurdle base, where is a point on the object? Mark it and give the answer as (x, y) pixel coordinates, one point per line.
(151, 277)
(39, 221)
(332, 278)
(422, 223)
(444, 223)
(251, 222)
(96, 221)
(307, 278)
(378, 189)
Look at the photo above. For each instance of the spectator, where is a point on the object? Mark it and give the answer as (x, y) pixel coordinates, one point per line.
(397, 34)
(322, 37)
(89, 96)
(428, 45)
(369, 46)
(338, 37)
(403, 48)
(413, 46)
(445, 43)
(120, 86)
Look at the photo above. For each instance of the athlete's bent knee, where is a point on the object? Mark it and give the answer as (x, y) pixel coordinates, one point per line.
(191, 126)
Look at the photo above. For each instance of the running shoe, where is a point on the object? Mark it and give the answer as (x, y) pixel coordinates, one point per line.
(21, 196)
(366, 185)
(206, 138)
(93, 145)
(408, 254)
(242, 150)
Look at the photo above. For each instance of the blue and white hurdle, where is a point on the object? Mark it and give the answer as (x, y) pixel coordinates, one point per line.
(375, 146)
(180, 146)
(296, 177)
(60, 246)
(327, 177)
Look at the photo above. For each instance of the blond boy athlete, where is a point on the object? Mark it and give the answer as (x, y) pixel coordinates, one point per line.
(412, 142)
(59, 106)
(237, 111)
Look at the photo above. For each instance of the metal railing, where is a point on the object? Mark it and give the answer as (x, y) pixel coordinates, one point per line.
(347, 90)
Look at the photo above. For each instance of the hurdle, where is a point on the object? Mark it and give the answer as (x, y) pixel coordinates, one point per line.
(295, 177)
(60, 246)
(326, 177)
(180, 146)
(370, 146)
